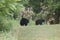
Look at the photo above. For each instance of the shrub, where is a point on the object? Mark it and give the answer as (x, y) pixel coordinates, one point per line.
(5, 25)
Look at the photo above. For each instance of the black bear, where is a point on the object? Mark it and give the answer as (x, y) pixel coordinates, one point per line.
(24, 21)
(39, 21)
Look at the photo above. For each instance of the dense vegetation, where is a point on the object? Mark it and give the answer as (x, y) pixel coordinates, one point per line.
(8, 12)
(10, 9)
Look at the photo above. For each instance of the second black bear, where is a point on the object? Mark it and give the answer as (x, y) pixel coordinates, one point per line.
(39, 21)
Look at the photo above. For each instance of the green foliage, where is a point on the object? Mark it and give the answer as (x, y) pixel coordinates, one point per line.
(36, 5)
(8, 7)
(5, 25)
(8, 10)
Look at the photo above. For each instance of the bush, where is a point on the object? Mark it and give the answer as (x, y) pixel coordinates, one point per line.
(5, 25)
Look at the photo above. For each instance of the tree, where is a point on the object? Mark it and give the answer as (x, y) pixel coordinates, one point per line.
(36, 5)
(51, 5)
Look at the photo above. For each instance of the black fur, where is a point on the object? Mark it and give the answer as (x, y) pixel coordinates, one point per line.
(39, 21)
(24, 21)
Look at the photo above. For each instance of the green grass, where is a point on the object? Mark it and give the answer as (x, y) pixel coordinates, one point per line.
(43, 32)
(32, 32)
(9, 35)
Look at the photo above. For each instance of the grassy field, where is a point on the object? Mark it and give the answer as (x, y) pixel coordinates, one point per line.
(33, 32)
(43, 32)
